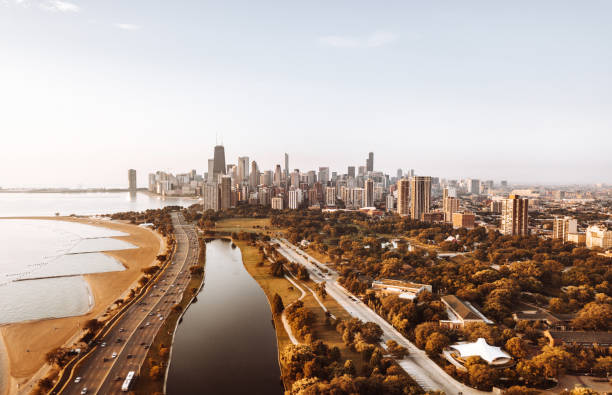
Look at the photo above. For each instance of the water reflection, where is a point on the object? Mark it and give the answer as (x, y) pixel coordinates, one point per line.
(226, 343)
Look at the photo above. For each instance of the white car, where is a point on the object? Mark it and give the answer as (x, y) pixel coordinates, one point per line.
(77, 380)
(114, 355)
(84, 391)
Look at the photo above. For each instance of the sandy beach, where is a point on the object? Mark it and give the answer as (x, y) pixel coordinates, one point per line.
(27, 343)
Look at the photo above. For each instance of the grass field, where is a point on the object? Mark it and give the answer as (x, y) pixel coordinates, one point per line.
(243, 225)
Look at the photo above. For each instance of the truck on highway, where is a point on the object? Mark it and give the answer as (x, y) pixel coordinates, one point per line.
(128, 381)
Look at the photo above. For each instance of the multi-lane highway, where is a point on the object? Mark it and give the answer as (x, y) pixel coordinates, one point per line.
(421, 368)
(125, 345)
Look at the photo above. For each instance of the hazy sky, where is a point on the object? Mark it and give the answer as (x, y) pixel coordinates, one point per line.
(517, 90)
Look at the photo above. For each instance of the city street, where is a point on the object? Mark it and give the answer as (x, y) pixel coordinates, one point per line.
(124, 347)
(422, 369)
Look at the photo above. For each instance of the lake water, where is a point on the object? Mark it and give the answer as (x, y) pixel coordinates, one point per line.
(36, 252)
(47, 204)
(226, 343)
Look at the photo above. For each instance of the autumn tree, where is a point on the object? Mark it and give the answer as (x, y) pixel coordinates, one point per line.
(277, 304)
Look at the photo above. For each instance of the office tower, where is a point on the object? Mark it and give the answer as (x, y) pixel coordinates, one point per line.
(226, 192)
(562, 226)
(277, 203)
(254, 176)
(390, 202)
(152, 181)
(294, 178)
(403, 197)
(369, 192)
(311, 177)
(219, 161)
(420, 196)
(267, 177)
(132, 180)
(463, 220)
(514, 218)
(598, 236)
(370, 162)
(277, 176)
(243, 169)
(323, 176)
(296, 197)
(351, 172)
(410, 173)
(504, 183)
(399, 173)
(474, 187)
(265, 196)
(286, 165)
(211, 171)
(361, 171)
(210, 197)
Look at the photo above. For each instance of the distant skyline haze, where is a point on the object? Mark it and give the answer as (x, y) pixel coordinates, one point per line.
(520, 90)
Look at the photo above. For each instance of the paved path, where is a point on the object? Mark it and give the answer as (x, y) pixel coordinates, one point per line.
(423, 370)
(131, 336)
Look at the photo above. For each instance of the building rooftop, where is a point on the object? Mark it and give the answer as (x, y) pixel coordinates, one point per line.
(601, 338)
(491, 354)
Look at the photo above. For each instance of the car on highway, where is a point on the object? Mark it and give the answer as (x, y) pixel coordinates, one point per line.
(77, 380)
(84, 391)
(103, 344)
(114, 355)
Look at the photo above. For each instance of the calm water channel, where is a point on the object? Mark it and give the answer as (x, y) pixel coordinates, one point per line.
(226, 343)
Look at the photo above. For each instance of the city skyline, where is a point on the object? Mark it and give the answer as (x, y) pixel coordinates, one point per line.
(458, 91)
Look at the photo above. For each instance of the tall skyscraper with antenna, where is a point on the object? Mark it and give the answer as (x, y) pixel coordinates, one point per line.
(219, 161)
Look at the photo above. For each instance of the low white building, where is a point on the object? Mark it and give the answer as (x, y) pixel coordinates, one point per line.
(492, 355)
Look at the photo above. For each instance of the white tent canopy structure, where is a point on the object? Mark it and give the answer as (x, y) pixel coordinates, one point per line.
(493, 355)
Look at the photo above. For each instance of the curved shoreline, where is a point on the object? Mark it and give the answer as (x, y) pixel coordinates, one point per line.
(25, 367)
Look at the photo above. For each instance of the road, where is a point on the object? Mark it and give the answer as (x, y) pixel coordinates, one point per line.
(423, 370)
(132, 335)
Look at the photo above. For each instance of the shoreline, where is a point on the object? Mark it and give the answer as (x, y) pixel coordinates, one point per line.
(26, 343)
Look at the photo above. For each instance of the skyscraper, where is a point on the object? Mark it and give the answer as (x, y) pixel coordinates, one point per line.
(211, 171)
(287, 166)
(226, 192)
(369, 193)
(403, 197)
(132, 180)
(210, 197)
(254, 176)
(277, 176)
(370, 162)
(323, 175)
(243, 169)
(420, 196)
(219, 161)
(514, 218)
(351, 171)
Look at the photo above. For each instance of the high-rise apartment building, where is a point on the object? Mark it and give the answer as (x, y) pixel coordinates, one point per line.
(211, 171)
(358, 197)
(562, 226)
(420, 196)
(369, 193)
(210, 197)
(330, 196)
(598, 236)
(132, 180)
(226, 192)
(219, 161)
(152, 182)
(243, 169)
(390, 202)
(474, 187)
(403, 197)
(296, 197)
(514, 217)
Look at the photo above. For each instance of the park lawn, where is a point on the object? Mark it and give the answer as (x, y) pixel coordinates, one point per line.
(257, 225)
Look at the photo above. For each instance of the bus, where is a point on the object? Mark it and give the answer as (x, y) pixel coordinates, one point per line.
(128, 381)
